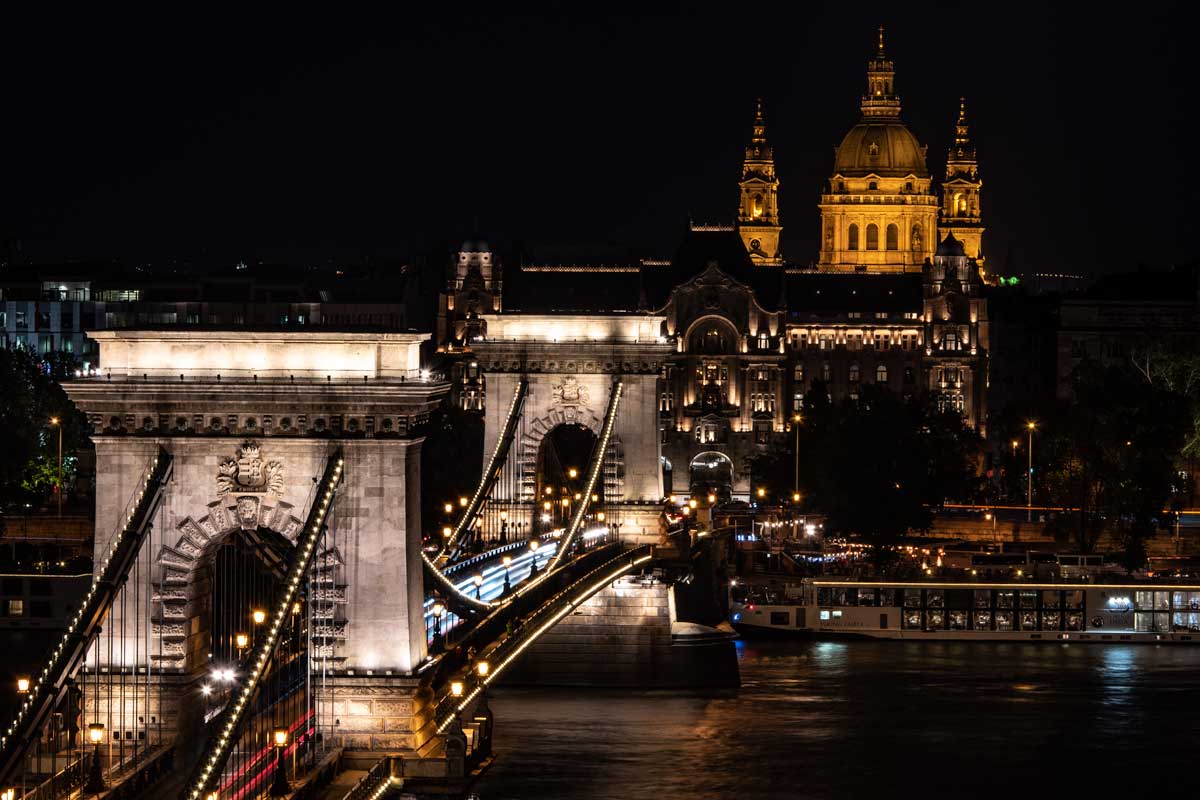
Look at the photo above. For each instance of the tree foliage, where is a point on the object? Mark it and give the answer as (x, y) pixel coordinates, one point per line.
(31, 396)
(876, 466)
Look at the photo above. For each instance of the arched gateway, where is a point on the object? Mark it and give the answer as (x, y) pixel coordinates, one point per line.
(250, 421)
(570, 363)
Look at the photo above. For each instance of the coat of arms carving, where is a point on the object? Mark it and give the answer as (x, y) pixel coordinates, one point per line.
(569, 392)
(248, 472)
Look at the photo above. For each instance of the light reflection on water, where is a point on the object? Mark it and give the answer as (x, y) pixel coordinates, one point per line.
(868, 719)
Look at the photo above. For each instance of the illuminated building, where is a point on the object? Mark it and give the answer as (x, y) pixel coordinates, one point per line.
(758, 213)
(961, 214)
(879, 212)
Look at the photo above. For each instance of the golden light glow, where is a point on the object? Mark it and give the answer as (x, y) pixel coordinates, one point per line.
(546, 506)
(578, 496)
(96, 732)
(54, 420)
(462, 501)
(572, 473)
(23, 685)
(692, 503)
(712, 498)
(595, 497)
(566, 501)
(477, 580)
(449, 508)
(456, 688)
(8, 794)
(549, 490)
(242, 640)
(281, 737)
(259, 616)
(438, 609)
(600, 516)
(761, 492)
(506, 561)
(1031, 425)
(686, 510)
(296, 607)
(446, 531)
(503, 515)
(795, 497)
(481, 668)
(211, 796)
(534, 544)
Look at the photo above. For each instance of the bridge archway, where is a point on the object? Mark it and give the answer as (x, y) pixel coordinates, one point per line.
(711, 471)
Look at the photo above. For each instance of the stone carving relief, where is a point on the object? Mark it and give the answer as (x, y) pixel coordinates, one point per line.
(569, 392)
(249, 472)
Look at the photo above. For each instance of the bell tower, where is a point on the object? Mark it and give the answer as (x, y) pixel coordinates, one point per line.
(960, 212)
(758, 213)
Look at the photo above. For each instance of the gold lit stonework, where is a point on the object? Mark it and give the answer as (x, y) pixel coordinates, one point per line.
(961, 214)
(758, 214)
(879, 213)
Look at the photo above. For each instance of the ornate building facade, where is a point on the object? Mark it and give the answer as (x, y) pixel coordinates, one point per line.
(748, 336)
(758, 212)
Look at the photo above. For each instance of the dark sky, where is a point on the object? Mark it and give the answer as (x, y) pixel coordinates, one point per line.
(311, 137)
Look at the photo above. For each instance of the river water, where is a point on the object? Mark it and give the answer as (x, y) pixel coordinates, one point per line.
(871, 719)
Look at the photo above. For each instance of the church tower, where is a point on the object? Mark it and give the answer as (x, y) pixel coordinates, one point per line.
(879, 212)
(961, 214)
(758, 214)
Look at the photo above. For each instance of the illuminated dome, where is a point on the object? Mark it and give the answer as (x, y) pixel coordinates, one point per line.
(883, 147)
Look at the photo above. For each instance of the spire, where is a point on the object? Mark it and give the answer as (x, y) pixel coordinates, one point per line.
(881, 99)
(961, 158)
(759, 136)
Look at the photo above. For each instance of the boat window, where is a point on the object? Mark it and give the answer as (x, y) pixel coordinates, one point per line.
(958, 598)
(935, 598)
(1074, 620)
(1073, 599)
(1004, 599)
(1187, 600)
(779, 618)
(983, 620)
(1186, 621)
(937, 619)
(1051, 598)
(1028, 620)
(958, 620)
(1051, 620)
(837, 613)
(824, 613)
(824, 597)
(866, 597)
(983, 598)
(911, 619)
(912, 598)
(852, 597)
(1029, 599)
(1004, 620)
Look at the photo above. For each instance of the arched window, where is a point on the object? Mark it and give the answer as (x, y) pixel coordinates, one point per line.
(872, 186)
(798, 373)
(764, 341)
(872, 236)
(960, 204)
(916, 239)
(757, 210)
(881, 374)
(854, 373)
(852, 238)
(893, 237)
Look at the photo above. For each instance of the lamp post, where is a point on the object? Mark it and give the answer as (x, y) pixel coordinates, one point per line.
(1029, 475)
(506, 561)
(478, 581)
(95, 783)
(22, 685)
(55, 422)
(796, 420)
(280, 787)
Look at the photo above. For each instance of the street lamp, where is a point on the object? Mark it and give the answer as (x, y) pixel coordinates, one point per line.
(280, 787)
(22, 685)
(478, 581)
(449, 507)
(456, 688)
(796, 420)
(506, 561)
(761, 493)
(242, 640)
(572, 473)
(1029, 495)
(259, 616)
(54, 421)
(95, 783)
(482, 668)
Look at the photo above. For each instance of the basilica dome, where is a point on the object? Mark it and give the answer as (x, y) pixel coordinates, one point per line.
(883, 147)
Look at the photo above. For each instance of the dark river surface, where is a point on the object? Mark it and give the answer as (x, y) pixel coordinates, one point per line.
(871, 719)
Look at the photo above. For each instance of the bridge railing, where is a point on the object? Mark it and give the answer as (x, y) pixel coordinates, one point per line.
(48, 688)
(547, 612)
(208, 772)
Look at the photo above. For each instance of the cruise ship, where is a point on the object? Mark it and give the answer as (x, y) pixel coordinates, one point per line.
(1004, 610)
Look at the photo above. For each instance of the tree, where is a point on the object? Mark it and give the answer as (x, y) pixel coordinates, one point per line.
(1112, 455)
(28, 442)
(876, 466)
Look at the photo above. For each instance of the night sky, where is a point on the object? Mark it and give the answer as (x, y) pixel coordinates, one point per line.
(314, 139)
